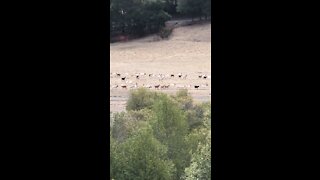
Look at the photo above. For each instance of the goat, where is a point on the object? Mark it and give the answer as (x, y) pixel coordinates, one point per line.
(114, 86)
(147, 86)
(124, 86)
(185, 77)
(122, 38)
(157, 86)
(165, 86)
(204, 85)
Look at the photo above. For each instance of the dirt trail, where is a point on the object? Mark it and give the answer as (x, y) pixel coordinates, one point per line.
(187, 52)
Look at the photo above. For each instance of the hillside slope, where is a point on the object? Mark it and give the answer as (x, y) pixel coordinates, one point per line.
(188, 51)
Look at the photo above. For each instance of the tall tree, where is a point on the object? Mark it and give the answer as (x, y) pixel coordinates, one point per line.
(137, 16)
(200, 167)
(170, 128)
(142, 157)
(194, 8)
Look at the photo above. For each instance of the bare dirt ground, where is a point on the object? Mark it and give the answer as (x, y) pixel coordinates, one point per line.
(157, 65)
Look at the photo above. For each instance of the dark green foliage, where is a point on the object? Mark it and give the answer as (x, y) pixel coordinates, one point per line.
(141, 157)
(140, 17)
(137, 17)
(200, 166)
(194, 117)
(170, 6)
(170, 128)
(195, 8)
(169, 119)
(160, 137)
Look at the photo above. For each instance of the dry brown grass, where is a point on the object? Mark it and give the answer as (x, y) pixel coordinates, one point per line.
(188, 51)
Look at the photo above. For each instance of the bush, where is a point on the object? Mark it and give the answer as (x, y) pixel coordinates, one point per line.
(142, 157)
(141, 99)
(165, 32)
(127, 123)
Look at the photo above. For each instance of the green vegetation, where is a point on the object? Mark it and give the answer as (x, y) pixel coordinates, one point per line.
(161, 137)
(165, 32)
(140, 17)
(195, 8)
(137, 17)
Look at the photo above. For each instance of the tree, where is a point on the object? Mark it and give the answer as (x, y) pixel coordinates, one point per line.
(189, 7)
(200, 167)
(126, 123)
(155, 141)
(170, 128)
(206, 6)
(137, 17)
(142, 157)
(194, 112)
(171, 6)
(195, 8)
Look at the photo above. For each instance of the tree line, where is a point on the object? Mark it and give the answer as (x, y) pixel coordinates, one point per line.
(140, 17)
(161, 136)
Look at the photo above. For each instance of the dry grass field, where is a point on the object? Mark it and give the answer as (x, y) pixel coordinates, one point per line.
(158, 64)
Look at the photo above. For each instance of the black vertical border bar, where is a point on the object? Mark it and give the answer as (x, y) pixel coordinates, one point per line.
(218, 82)
(102, 80)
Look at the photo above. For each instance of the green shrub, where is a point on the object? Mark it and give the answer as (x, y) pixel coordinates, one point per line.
(142, 157)
(165, 32)
(141, 99)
